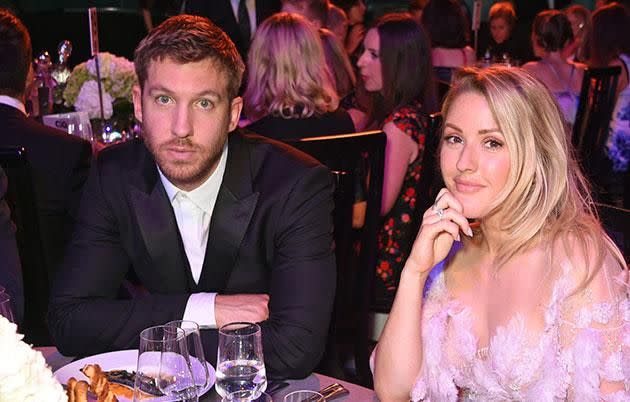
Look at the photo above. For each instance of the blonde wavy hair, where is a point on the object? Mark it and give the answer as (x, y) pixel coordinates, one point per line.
(287, 71)
(546, 197)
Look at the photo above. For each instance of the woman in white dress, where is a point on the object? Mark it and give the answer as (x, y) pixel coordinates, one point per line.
(528, 297)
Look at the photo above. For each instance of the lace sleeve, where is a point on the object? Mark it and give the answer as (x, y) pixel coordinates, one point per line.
(595, 335)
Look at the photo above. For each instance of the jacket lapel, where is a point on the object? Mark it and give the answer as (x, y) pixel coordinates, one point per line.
(158, 226)
(232, 212)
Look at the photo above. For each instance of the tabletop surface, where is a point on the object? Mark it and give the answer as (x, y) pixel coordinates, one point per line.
(315, 381)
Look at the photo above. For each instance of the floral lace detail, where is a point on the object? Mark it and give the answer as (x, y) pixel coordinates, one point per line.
(585, 340)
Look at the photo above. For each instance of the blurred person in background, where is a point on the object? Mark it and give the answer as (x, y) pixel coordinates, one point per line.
(580, 19)
(314, 11)
(610, 46)
(447, 26)
(396, 69)
(290, 91)
(355, 11)
(338, 63)
(551, 34)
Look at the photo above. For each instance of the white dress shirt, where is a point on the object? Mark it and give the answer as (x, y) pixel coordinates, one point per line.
(251, 11)
(193, 211)
(11, 101)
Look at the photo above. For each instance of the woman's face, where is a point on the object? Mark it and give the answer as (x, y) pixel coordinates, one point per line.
(356, 13)
(474, 157)
(370, 63)
(499, 29)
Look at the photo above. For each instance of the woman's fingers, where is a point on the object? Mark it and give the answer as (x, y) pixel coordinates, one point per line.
(450, 215)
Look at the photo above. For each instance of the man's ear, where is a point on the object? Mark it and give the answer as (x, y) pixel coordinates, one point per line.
(236, 107)
(137, 102)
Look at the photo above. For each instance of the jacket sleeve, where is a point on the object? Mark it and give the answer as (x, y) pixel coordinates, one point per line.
(303, 279)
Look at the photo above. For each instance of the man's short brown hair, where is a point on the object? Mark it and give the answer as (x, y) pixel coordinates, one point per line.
(188, 39)
(15, 55)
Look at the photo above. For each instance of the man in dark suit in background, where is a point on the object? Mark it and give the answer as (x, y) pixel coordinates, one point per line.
(59, 162)
(217, 228)
(237, 18)
(11, 272)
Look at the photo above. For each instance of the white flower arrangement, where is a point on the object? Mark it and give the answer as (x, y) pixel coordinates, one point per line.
(24, 375)
(118, 77)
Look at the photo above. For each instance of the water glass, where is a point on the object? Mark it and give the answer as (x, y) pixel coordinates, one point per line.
(164, 365)
(240, 362)
(304, 396)
(5, 307)
(195, 351)
(243, 396)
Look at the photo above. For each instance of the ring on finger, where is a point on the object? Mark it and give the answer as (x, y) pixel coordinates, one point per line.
(439, 212)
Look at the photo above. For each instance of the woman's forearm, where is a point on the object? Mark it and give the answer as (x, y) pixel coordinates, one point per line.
(398, 358)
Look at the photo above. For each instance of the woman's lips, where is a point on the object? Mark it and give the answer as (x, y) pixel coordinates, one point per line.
(466, 186)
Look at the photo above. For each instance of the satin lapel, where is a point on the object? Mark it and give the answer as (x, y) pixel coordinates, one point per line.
(233, 210)
(159, 228)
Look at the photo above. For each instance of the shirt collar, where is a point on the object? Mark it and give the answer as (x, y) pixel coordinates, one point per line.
(205, 195)
(13, 102)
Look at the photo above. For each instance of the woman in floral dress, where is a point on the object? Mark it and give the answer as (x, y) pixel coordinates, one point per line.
(395, 67)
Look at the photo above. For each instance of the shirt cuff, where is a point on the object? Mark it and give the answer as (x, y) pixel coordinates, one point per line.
(200, 308)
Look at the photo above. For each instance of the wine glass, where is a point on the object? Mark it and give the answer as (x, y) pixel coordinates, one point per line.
(195, 352)
(5, 306)
(82, 130)
(240, 362)
(164, 365)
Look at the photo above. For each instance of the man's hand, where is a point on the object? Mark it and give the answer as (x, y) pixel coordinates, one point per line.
(245, 307)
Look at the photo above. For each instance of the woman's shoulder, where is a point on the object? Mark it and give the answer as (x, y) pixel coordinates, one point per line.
(409, 118)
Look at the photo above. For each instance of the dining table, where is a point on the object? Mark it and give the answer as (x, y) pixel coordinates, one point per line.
(313, 382)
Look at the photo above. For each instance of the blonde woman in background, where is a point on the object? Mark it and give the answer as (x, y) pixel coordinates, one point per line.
(529, 303)
(290, 91)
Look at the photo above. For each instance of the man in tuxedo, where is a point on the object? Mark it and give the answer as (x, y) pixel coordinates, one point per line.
(59, 162)
(11, 272)
(218, 226)
(237, 18)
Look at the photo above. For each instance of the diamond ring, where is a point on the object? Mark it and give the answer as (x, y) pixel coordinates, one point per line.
(439, 212)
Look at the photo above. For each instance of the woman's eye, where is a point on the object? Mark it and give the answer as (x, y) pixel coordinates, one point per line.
(163, 99)
(493, 144)
(452, 139)
(374, 55)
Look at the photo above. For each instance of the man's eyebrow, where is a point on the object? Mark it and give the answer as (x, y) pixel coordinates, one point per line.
(207, 92)
(483, 131)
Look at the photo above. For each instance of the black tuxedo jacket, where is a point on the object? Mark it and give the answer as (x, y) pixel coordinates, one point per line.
(270, 232)
(221, 13)
(60, 165)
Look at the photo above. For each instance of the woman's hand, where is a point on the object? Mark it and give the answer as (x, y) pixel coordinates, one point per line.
(441, 225)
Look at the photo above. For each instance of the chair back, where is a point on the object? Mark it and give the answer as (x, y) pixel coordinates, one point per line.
(616, 222)
(354, 159)
(20, 197)
(590, 131)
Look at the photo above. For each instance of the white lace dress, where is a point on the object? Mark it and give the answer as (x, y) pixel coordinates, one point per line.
(585, 341)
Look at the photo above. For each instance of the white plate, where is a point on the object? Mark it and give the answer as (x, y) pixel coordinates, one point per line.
(120, 360)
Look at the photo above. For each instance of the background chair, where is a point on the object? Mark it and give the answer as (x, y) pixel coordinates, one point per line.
(353, 159)
(590, 131)
(21, 200)
(616, 222)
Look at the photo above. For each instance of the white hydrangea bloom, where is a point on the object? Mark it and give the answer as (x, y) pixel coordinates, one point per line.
(87, 101)
(24, 375)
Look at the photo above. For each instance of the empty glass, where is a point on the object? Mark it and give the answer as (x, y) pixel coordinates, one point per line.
(304, 396)
(164, 365)
(195, 351)
(240, 362)
(5, 306)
